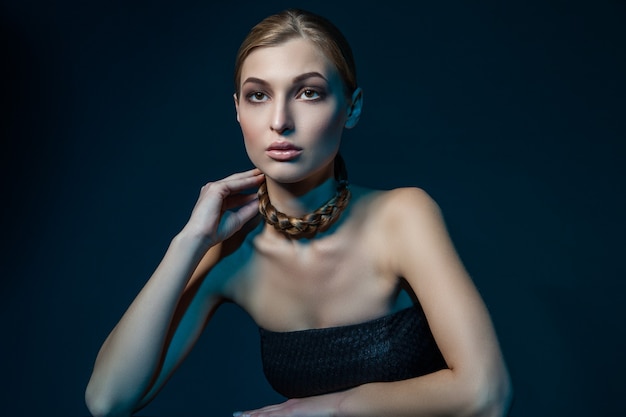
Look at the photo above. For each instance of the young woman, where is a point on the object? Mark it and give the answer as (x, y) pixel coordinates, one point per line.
(363, 305)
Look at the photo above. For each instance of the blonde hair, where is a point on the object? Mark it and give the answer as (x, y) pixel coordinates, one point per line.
(297, 23)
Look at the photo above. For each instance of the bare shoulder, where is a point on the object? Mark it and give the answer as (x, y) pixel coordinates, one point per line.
(393, 208)
(226, 261)
(397, 218)
(405, 228)
(410, 199)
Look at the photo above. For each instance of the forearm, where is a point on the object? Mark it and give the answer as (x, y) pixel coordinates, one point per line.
(129, 359)
(438, 394)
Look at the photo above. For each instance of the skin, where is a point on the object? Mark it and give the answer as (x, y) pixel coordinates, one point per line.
(351, 273)
(309, 112)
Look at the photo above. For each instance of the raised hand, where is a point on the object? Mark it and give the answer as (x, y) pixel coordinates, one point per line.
(223, 206)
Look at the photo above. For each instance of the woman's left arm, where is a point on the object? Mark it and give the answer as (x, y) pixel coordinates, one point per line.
(476, 382)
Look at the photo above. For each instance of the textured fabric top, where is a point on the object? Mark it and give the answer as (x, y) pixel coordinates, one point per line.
(319, 361)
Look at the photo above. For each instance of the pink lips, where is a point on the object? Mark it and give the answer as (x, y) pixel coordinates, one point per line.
(283, 151)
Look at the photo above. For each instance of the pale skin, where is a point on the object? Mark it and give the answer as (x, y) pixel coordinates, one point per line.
(348, 274)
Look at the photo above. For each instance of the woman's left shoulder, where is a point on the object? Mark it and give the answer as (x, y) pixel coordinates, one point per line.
(397, 203)
(396, 219)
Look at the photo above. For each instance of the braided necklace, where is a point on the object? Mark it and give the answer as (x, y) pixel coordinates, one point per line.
(309, 224)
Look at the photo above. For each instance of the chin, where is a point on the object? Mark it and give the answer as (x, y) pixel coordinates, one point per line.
(296, 171)
(285, 178)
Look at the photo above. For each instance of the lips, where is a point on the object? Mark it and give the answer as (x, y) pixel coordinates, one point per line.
(283, 151)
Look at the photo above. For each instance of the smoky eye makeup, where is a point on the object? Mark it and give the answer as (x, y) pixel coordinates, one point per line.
(311, 93)
(256, 96)
(254, 93)
(304, 93)
(310, 87)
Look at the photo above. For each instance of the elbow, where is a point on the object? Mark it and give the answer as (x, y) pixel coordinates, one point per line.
(96, 404)
(492, 398)
(99, 405)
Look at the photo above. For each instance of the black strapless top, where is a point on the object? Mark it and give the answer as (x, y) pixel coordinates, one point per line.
(319, 361)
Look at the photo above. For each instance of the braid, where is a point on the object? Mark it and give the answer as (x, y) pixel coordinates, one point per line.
(311, 223)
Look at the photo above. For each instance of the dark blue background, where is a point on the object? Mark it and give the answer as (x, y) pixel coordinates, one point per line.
(511, 114)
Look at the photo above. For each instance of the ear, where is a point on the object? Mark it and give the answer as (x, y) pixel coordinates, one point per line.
(354, 111)
(236, 105)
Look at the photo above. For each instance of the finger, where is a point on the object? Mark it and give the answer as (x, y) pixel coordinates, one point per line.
(261, 411)
(248, 173)
(252, 173)
(240, 184)
(236, 200)
(222, 189)
(232, 221)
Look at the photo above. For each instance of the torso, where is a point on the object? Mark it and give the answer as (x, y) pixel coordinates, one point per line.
(340, 277)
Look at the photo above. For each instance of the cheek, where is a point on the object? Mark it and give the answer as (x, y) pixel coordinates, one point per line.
(250, 127)
(251, 136)
(319, 117)
(326, 124)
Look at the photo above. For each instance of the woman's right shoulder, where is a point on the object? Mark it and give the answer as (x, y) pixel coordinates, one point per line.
(227, 261)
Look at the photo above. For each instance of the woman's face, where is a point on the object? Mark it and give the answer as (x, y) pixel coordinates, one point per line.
(292, 110)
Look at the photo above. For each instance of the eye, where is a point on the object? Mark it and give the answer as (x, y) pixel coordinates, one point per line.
(310, 94)
(257, 96)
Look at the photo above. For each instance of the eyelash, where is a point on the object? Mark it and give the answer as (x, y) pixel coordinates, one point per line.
(319, 94)
(253, 96)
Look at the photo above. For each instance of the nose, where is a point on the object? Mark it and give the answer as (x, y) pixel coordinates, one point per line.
(281, 121)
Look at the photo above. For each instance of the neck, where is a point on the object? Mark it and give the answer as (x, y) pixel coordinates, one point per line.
(299, 199)
(307, 207)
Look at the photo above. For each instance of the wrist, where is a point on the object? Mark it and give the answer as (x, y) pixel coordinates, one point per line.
(350, 402)
(192, 240)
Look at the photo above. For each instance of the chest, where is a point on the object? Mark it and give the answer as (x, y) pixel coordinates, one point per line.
(327, 283)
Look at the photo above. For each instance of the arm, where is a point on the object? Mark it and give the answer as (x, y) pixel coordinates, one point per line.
(418, 247)
(165, 319)
(477, 382)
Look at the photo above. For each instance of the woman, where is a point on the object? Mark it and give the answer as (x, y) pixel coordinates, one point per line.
(363, 305)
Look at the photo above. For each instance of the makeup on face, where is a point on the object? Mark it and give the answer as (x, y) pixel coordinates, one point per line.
(291, 110)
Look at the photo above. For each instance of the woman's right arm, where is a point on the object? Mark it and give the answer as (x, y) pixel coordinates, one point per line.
(167, 316)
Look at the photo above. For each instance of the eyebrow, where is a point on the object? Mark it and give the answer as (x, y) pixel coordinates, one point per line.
(297, 79)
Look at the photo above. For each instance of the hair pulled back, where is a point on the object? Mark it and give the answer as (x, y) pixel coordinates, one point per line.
(297, 23)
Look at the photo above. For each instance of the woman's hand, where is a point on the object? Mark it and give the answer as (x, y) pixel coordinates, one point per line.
(222, 207)
(319, 406)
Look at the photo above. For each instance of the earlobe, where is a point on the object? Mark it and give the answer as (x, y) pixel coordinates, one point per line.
(236, 105)
(354, 111)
